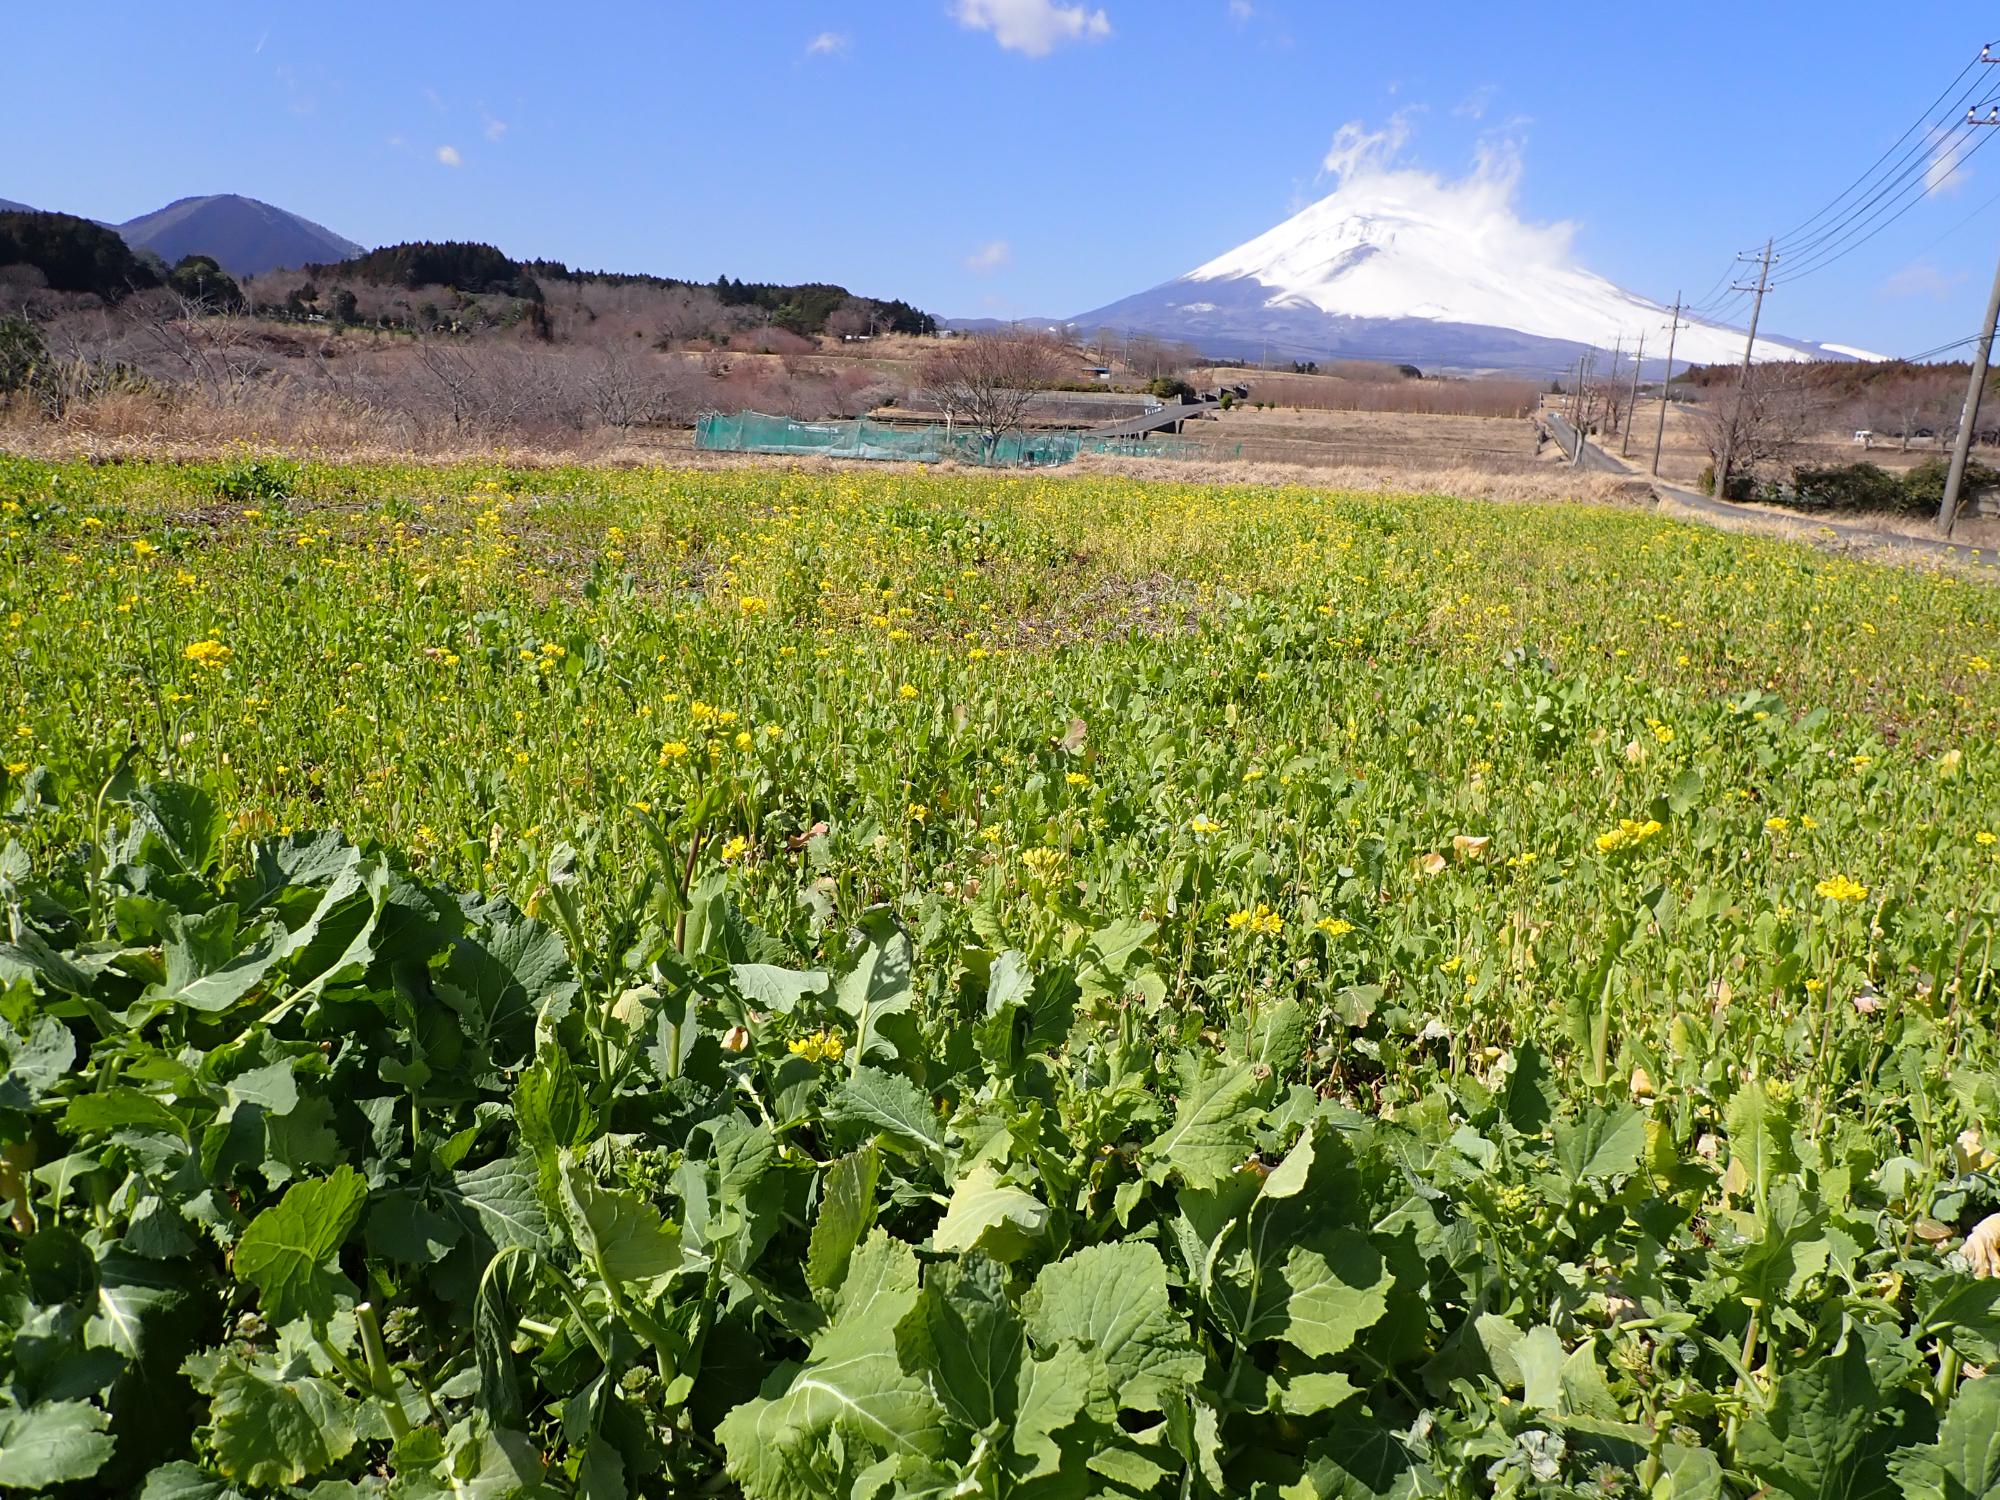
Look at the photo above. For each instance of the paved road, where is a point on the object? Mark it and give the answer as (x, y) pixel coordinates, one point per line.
(1595, 458)
(1152, 421)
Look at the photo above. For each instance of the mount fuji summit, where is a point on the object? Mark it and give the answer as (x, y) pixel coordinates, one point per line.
(1402, 266)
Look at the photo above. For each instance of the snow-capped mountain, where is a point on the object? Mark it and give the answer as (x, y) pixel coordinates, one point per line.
(1399, 265)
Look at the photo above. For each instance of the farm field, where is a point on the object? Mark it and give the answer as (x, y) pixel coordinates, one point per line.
(781, 983)
(1394, 440)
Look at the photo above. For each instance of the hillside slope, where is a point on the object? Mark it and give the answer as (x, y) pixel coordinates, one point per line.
(1391, 266)
(246, 237)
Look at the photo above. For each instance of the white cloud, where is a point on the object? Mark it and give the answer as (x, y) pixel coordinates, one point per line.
(1357, 150)
(448, 156)
(1945, 173)
(1481, 203)
(829, 44)
(1241, 10)
(990, 256)
(1033, 27)
(1474, 105)
(1923, 278)
(493, 129)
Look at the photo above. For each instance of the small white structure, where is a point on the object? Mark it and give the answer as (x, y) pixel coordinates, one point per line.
(1864, 438)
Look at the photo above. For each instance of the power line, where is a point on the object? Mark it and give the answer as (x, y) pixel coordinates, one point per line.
(1960, 224)
(1827, 257)
(1715, 286)
(1883, 192)
(1941, 146)
(1922, 115)
(1917, 359)
(1917, 162)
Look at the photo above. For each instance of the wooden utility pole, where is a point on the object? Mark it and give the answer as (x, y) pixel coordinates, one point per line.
(1975, 383)
(1576, 412)
(1632, 403)
(1743, 381)
(1611, 381)
(1666, 386)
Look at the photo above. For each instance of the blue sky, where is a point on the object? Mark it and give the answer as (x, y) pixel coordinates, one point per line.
(1012, 157)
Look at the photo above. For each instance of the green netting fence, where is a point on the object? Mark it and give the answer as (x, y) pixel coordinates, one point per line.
(753, 432)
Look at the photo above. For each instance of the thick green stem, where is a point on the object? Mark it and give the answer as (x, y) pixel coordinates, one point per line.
(381, 1379)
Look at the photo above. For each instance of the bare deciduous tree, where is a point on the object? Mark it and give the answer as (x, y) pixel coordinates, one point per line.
(1777, 409)
(214, 351)
(987, 382)
(1156, 359)
(852, 317)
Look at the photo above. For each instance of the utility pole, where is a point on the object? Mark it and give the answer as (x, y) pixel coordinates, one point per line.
(1576, 411)
(1743, 381)
(1975, 383)
(1611, 381)
(1632, 403)
(1666, 385)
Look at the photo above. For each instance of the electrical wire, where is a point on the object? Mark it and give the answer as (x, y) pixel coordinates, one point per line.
(1847, 245)
(1960, 225)
(1922, 115)
(1917, 359)
(1918, 161)
(1919, 172)
(1884, 191)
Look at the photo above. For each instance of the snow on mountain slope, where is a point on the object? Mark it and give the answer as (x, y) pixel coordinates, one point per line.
(1384, 248)
(1403, 264)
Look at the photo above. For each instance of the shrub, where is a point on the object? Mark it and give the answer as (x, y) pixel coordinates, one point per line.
(1923, 486)
(1169, 388)
(1858, 486)
(264, 481)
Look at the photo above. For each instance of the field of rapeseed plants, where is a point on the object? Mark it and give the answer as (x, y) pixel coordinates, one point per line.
(614, 984)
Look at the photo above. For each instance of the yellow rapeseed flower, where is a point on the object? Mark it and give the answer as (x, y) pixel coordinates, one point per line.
(906, 692)
(1259, 919)
(1334, 927)
(1629, 834)
(207, 653)
(1043, 862)
(818, 1046)
(1840, 888)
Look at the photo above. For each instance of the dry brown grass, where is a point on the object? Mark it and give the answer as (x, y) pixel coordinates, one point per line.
(1548, 482)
